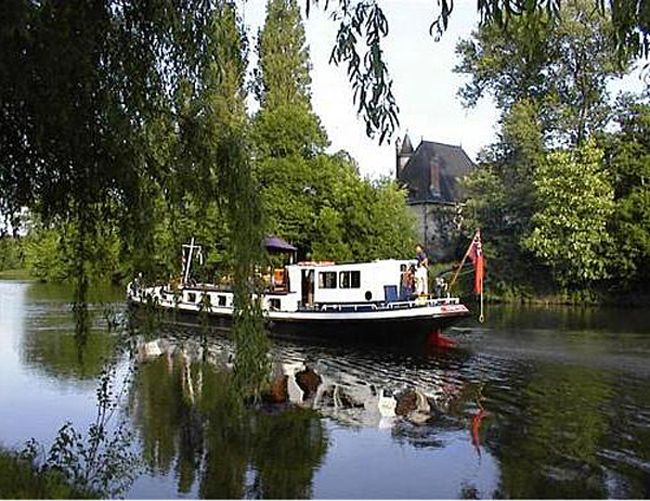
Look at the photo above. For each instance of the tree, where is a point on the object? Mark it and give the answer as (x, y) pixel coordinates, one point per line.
(627, 157)
(107, 107)
(79, 84)
(315, 200)
(283, 77)
(576, 201)
(501, 196)
(562, 62)
(286, 124)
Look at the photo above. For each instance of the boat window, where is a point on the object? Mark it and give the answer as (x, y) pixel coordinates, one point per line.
(327, 280)
(274, 304)
(222, 300)
(350, 280)
(191, 297)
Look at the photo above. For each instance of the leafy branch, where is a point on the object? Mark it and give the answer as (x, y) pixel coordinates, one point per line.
(101, 463)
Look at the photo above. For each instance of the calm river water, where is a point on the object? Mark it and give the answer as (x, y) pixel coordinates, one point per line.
(534, 403)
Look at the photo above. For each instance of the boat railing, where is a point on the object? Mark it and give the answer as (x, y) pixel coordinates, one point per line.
(423, 301)
(345, 307)
(395, 305)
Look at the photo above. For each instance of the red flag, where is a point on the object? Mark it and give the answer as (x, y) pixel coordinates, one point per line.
(476, 255)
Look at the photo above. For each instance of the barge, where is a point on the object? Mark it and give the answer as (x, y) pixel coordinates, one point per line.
(375, 298)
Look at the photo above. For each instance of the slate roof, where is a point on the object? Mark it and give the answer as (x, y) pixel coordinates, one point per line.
(449, 162)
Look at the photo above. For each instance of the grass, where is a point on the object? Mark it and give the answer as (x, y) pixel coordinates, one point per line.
(19, 274)
(20, 478)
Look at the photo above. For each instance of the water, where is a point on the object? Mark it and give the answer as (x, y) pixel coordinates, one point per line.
(535, 403)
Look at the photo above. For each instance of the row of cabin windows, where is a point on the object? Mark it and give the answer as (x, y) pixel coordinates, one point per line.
(221, 300)
(347, 280)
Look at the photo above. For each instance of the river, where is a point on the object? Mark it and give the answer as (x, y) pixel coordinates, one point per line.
(534, 403)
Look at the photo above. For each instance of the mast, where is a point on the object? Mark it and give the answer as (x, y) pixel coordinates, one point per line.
(191, 248)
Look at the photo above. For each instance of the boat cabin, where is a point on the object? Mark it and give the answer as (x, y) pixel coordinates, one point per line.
(314, 285)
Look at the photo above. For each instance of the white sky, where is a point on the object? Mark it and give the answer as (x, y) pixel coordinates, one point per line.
(423, 82)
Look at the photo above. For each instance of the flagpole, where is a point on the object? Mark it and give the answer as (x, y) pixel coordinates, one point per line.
(460, 267)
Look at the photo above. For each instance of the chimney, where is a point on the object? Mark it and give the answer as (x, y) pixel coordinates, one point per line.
(434, 176)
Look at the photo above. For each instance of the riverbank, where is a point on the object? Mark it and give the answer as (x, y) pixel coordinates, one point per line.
(16, 274)
(499, 292)
(579, 298)
(22, 478)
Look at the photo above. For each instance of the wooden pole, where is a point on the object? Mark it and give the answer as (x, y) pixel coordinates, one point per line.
(462, 263)
(189, 261)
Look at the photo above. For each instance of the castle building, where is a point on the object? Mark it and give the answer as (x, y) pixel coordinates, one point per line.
(432, 175)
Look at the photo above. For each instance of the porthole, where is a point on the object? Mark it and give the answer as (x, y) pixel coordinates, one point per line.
(368, 295)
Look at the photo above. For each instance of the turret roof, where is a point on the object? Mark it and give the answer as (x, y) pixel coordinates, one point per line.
(407, 147)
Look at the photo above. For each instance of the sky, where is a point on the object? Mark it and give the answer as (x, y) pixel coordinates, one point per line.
(424, 84)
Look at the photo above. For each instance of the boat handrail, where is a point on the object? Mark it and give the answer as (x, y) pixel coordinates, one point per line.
(354, 306)
(426, 301)
(415, 303)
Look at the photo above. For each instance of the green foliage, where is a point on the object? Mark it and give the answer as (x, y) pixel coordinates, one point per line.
(50, 252)
(11, 253)
(283, 77)
(549, 220)
(98, 465)
(315, 200)
(562, 62)
(576, 201)
(102, 461)
(22, 478)
(118, 119)
(501, 195)
(627, 155)
(290, 130)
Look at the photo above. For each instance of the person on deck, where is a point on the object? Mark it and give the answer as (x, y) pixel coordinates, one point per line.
(421, 256)
(421, 279)
(406, 285)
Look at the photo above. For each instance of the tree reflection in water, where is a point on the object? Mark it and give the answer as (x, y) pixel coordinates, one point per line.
(189, 419)
(49, 343)
(551, 450)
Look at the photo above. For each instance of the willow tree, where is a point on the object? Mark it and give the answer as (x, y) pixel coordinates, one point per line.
(212, 160)
(77, 81)
(105, 106)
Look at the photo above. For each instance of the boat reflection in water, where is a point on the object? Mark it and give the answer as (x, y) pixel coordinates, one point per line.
(188, 420)
(192, 428)
(314, 377)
